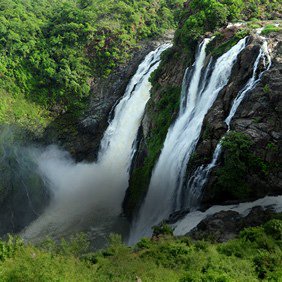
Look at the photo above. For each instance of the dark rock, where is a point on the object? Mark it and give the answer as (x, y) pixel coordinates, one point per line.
(258, 116)
(226, 225)
(171, 75)
(176, 216)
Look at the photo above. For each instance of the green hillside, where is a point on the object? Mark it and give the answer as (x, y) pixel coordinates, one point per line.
(51, 50)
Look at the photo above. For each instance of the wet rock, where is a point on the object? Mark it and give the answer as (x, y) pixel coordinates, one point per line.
(176, 216)
(226, 225)
(258, 116)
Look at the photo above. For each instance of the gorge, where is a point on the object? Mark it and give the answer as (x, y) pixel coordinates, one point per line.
(140, 140)
(101, 186)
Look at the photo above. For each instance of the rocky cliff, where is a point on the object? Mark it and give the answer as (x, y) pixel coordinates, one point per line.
(160, 112)
(226, 225)
(257, 122)
(258, 119)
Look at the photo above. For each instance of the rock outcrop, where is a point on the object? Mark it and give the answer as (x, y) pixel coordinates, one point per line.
(161, 111)
(258, 118)
(226, 225)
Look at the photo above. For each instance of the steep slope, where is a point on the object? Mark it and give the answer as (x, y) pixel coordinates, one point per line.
(56, 58)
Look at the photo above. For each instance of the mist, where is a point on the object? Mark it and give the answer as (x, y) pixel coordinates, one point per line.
(23, 193)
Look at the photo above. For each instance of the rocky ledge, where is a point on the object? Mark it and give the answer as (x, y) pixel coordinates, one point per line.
(226, 225)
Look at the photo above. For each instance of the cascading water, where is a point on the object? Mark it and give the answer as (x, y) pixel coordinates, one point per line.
(201, 175)
(168, 175)
(92, 194)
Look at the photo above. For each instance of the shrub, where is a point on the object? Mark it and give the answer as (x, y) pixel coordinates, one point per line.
(9, 248)
(144, 243)
(50, 49)
(238, 162)
(227, 45)
(265, 262)
(162, 111)
(274, 228)
(162, 229)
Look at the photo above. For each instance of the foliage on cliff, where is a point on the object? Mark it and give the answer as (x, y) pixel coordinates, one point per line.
(239, 162)
(203, 16)
(50, 49)
(256, 255)
(162, 114)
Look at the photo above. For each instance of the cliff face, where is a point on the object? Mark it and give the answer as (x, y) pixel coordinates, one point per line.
(257, 120)
(23, 194)
(226, 225)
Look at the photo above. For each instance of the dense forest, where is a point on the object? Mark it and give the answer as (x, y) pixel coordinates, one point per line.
(51, 50)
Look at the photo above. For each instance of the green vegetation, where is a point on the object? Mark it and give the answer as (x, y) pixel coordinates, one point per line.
(24, 113)
(198, 18)
(208, 15)
(239, 162)
(271, 28)
(256, 255)
(222, 48)
(162, 229)
(266, 89)
(50, 50)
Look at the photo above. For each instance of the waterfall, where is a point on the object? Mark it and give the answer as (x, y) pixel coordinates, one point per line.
(91, 194)
(164, 195)
(201, 175)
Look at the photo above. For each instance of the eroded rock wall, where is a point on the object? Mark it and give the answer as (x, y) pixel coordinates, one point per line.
(258, 117)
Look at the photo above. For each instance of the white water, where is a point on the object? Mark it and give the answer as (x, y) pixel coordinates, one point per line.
(201, 175)
(168, 175)
(192, 219)
(93, 193)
